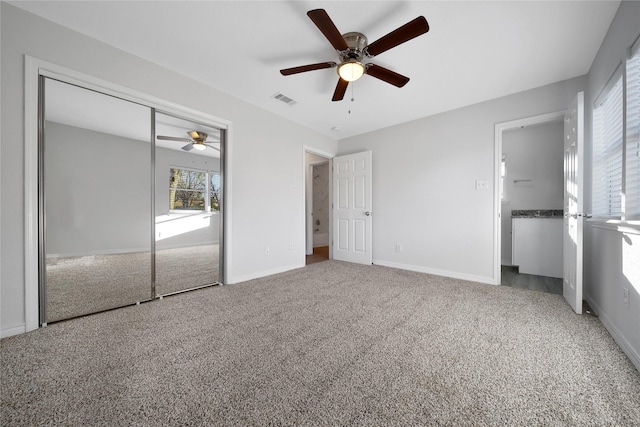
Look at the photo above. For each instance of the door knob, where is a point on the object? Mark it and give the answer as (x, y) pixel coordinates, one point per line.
(367, 213)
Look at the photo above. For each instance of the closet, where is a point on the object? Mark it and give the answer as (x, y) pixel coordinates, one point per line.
(130, 202)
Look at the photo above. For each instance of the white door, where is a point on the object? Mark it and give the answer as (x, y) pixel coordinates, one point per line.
(573, 203)
(352, 208)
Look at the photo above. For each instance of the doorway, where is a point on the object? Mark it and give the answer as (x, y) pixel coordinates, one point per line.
(317, 207)
(530, 195)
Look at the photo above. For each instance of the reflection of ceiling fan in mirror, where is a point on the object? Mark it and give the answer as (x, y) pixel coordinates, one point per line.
(197, 141)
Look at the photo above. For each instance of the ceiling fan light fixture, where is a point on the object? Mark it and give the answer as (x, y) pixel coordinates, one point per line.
(351, 70)
(199, 146)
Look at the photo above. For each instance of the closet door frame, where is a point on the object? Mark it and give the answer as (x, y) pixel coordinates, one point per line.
(34, 69)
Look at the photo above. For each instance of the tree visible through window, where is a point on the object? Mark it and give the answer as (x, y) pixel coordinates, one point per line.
(194, 190)
(187, 189)
(214, 192)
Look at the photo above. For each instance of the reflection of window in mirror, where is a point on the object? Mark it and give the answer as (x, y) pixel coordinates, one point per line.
(214, 192)
(187, 190)
(194, 190)
(503, 174)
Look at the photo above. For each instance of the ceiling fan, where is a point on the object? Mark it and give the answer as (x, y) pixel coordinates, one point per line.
(197, 141)
(353, 48)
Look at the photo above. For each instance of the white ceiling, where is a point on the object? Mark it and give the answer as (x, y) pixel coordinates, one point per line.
(474, 51)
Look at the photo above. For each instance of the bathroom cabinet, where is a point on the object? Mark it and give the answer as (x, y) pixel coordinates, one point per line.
(537, 245)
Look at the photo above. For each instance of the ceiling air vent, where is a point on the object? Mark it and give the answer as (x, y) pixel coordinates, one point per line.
(284, 98)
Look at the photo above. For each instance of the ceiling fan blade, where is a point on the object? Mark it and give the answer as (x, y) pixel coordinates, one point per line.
(341, 89)
(188, 147)
(328, 28)
(305, 68)
(398, 36)
(172, 138)
(386, 75)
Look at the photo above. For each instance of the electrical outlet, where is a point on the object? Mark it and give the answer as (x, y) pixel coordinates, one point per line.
(398, 247)
(625, 297)
(267, 250)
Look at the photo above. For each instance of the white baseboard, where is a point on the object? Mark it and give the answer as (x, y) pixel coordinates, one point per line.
(436, 272)
(264, 273)
(100, 252)
(128, 250)
(14, 330)
(626, 347)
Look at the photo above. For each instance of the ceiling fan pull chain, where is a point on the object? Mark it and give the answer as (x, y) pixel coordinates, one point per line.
(352, 97)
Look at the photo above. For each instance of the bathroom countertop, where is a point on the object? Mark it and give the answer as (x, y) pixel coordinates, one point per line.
(537, 213)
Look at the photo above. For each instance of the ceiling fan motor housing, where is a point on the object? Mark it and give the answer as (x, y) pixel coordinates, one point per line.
(357, 42)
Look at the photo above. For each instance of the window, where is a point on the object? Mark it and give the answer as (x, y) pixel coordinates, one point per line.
(187, 189)
(607, 152)
(194, 190)
(632, 172)
(616, 144)
(214, 192)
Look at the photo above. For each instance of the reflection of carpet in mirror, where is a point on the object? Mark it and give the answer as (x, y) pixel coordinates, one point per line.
(86, 284)
(185, 268)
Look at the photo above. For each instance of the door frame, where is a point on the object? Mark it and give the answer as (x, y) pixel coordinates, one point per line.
(34, 68)
(500, 128)
(307, 197)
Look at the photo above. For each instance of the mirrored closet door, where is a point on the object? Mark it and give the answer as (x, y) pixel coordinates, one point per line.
(188, 202)
(95, 160)
(130, 202)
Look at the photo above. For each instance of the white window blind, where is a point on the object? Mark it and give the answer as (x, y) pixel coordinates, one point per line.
(632, 173)
(607, 152)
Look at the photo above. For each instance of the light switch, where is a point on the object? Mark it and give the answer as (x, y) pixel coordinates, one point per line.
(482, 184)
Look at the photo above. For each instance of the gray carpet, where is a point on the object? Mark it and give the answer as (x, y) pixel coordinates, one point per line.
(330, 344)
(87, 284)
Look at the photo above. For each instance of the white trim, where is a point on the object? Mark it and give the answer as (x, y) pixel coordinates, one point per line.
(98, 253)
(618, 337)
(264, 273)
(308, 208)
(497, 203)
(31, 71)
(436, 272)
(312, 150)
(35, 67)
(306, 185)
(226, 207)
(14, 330)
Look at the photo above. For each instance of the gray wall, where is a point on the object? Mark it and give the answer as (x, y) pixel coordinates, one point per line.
(424, 175)
(98, 201)
(612, 252)
(534, 153)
